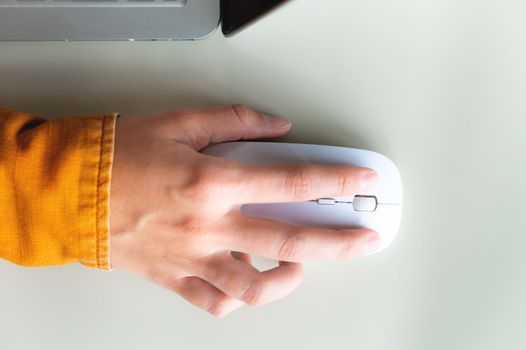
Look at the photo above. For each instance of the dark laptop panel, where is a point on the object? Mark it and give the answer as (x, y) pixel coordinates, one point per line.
(237, 14)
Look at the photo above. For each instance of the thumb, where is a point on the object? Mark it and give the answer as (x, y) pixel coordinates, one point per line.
(233, 123)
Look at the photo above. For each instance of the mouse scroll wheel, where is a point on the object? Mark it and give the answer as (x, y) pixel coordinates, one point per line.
(364, 203)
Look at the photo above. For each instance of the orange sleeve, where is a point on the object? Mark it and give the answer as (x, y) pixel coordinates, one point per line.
(54, 189)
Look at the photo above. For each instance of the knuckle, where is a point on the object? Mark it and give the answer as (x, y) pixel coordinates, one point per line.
(172, 284)
(164, 280)
(347, 247)
(211, 178)
(190, 226)
(201, 185)
(345, 181)
(242, 113)
(299, 182)
(253, 295)
(212, 270)
(219, 307)
(292, 247)
(156, 276)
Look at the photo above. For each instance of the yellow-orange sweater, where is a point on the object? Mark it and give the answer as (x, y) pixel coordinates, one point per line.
(54, 189)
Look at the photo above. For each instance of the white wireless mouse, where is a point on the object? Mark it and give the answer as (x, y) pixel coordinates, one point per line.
(380, 210)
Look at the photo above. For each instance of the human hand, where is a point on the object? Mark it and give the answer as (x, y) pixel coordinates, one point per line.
(174, 212)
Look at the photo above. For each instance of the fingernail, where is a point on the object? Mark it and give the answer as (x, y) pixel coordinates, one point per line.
(372, 245)
(369, 180)
(276, 122)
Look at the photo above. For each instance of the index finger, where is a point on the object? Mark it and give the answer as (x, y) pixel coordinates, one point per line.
(272, 183)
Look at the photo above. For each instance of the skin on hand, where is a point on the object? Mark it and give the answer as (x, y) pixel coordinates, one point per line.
(175, 215)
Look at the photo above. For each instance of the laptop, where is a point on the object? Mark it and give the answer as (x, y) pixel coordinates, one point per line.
(126, 19)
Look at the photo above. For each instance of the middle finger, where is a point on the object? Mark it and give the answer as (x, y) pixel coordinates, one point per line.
(277, 240)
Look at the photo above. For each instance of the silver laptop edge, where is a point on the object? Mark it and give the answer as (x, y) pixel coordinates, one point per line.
(108, 19)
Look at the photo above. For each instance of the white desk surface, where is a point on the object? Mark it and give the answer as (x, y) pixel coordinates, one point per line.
(439, 86)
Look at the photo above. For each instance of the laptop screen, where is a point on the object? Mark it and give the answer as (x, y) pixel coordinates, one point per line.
(236, 14)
